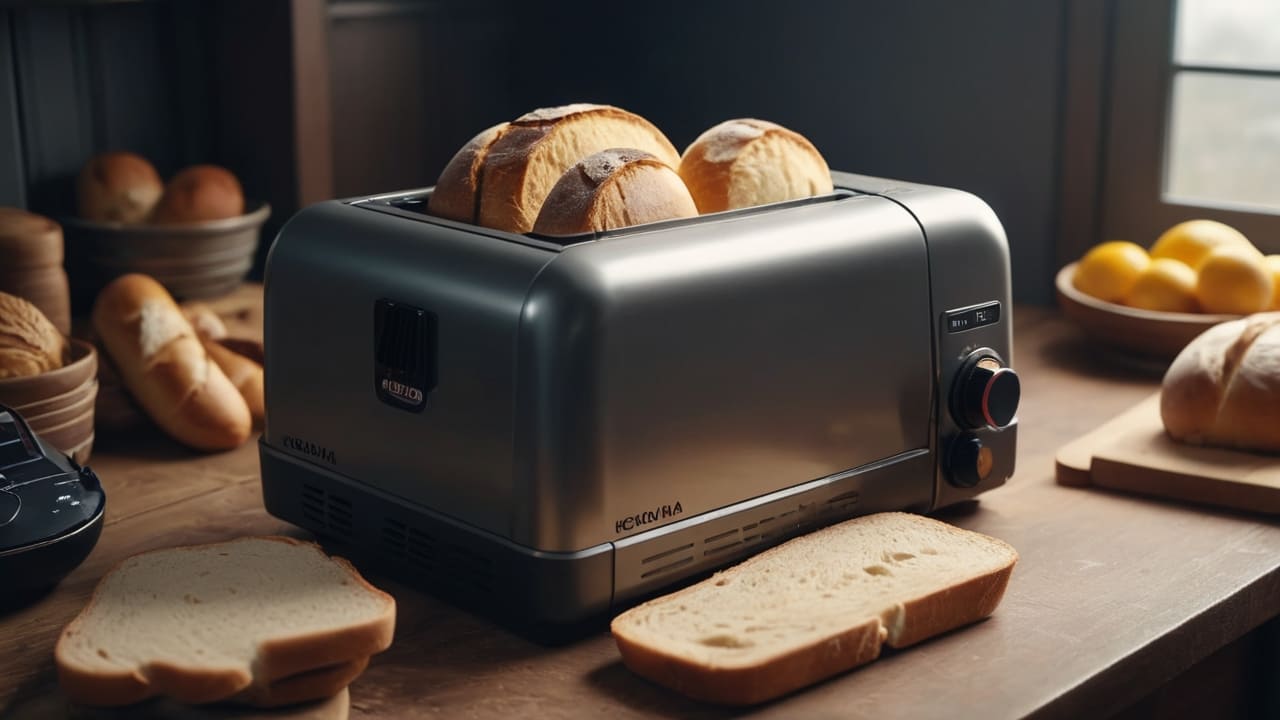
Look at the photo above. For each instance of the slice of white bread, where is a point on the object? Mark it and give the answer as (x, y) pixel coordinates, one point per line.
(814, 607)
(523, 164)
(240, 620)
(748, 162)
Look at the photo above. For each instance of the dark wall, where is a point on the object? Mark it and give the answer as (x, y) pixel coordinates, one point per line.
(963, 94)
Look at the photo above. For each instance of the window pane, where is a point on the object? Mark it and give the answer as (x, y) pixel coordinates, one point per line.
(1224, 139)
(1238, 33)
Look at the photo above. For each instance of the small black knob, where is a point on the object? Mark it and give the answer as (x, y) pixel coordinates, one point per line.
(969, 462)
(987, 393)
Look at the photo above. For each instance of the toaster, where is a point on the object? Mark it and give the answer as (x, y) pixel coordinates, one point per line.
(549, 428)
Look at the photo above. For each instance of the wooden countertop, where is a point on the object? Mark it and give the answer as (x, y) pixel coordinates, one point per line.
(1114, 595)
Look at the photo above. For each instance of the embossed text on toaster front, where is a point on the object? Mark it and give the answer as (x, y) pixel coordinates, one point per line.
(309, 448)
(407, 393)
(661, 512)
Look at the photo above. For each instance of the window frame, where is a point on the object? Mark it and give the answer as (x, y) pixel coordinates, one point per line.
(1132, 201)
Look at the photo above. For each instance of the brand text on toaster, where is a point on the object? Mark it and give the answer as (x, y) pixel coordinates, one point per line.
(631, 522)
(310, 448)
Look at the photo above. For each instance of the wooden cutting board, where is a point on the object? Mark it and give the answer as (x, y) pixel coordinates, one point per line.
(1132, 452)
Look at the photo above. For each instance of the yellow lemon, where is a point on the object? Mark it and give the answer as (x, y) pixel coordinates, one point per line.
(1273, 264)
(1109, 270)
(1234, 280)
(1192, 240)
(1167, 285)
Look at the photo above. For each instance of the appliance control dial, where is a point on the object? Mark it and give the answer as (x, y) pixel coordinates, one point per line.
(969, 462)
(986, 392)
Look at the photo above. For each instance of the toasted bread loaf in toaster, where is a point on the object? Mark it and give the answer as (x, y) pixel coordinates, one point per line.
(457, 192)
(611, 189)
(1224, 387)
(264, 620)
(747, 162)
(814, 607)
(524, 163)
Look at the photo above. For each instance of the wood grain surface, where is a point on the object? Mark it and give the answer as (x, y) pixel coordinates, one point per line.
(1113, 597)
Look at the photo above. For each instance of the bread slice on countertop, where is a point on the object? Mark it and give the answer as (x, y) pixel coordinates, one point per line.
(815, 606)
(263, 620)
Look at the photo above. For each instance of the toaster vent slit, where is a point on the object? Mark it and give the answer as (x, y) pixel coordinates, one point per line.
(444, 564)
(719, 537)
(667, 568)
(666, 553)
(720, 549)
(328, 514)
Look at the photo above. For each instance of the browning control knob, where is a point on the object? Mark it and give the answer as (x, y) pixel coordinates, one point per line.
(969, 462)
(986, 392)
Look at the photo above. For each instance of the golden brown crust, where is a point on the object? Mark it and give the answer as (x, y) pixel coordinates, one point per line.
(457, 192)
(175, 382)
(200, 193)
(611, 189)
(952, 607)
(719, 165)
(750, 685)
(118, 187)
(287, 667)
(245, 374)
(1223, 389)
(523, 165)
(29, 343)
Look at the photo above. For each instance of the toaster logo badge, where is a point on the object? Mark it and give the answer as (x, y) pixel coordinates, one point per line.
(661, 512)
(407, 393)
(310, 448)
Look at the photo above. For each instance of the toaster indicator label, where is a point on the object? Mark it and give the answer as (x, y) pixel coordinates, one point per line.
(974, 317)
(662, 512)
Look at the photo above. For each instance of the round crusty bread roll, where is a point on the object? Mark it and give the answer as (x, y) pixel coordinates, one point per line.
(118, 187)
(611, 189)
(524, 164)
(1224, 387)
(746, 162)
(166, 368)
(29, 342)
(456, 195)
(200, 193)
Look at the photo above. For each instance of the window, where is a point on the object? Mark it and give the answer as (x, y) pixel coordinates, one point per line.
(1193, 118)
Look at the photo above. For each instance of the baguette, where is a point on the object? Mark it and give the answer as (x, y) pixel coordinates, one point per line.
(524, 163)
(613, 189)
(1224, 387)
(747, 162)
(457, 192)
(244, 374)
(166, 368)
(815, 607)
(262, 620)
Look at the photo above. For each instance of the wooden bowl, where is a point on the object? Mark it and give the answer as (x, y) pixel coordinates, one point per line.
(26, 391)
(192, 260)
(1147, 334)
(60, 402)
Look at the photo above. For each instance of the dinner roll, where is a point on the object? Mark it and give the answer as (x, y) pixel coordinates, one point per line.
(1224, 387)
(118, 187)
(746, 162)
(612, 189)
(528, 159)
(200, 193)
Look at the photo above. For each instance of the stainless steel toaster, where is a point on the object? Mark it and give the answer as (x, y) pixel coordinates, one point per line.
(552, 427)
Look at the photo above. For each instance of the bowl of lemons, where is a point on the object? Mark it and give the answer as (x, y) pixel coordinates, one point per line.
(1151, 303)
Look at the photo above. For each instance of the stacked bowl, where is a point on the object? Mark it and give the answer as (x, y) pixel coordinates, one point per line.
(192, 260)
(58, 405)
